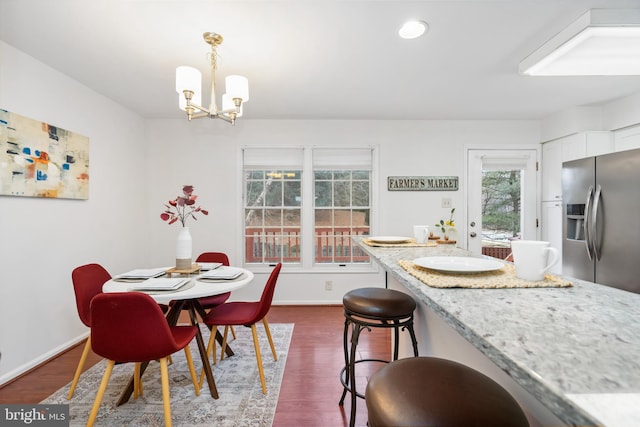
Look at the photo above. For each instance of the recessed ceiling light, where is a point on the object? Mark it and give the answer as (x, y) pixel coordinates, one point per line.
(413, 29)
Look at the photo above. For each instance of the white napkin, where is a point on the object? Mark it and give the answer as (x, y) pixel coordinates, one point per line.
(142, 273)
(224, 272)
(204, 266)
(164, 284)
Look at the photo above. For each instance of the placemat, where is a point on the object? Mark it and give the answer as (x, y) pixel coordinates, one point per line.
(503, 278)
(411, 244)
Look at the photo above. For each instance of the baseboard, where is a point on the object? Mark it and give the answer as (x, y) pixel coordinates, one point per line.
(41, 360)
(307, 302)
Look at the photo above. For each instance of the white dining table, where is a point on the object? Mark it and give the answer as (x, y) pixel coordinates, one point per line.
(196, 289)
(185, 298)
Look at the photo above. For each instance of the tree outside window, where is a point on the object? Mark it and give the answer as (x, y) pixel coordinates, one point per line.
(501, 205)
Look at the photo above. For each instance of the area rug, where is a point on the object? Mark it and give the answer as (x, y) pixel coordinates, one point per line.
(241, 402)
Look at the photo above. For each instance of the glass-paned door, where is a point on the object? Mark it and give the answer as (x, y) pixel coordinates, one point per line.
(502, 198)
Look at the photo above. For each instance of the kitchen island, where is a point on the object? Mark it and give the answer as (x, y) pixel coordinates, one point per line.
(570, 356)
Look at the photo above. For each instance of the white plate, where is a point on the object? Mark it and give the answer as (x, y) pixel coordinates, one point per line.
(456, 264)
(389, 239)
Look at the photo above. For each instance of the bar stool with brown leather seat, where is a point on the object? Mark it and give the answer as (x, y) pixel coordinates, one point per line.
(368, 308)
(428, 391)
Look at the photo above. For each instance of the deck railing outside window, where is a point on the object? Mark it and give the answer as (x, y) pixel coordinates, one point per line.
(332, 245)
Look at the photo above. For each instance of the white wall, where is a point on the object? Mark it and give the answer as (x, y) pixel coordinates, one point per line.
(137, 165)
(622, 112)
(42, 240)
(611, 116)
(207, 154)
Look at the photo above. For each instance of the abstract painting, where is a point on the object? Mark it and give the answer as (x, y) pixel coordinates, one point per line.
(41, 160)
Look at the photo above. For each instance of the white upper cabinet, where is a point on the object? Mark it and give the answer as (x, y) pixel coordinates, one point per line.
(571, 147)
(627, 139)
(552, 171)
(599, 143)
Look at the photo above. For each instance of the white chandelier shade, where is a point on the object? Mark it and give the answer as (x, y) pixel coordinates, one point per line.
(237, 87)
(189, 88)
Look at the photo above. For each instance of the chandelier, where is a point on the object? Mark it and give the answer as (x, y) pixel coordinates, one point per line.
(189, 88)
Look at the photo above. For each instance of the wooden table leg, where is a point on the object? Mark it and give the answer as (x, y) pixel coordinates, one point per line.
(206, 366)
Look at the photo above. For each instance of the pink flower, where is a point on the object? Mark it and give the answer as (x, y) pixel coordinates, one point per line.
(182, 207)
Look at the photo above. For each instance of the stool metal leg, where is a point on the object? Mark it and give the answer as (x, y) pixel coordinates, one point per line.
(346, 358)
(355, 334)
(396, 337)
(413, 339)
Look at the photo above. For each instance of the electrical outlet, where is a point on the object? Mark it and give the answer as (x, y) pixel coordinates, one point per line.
(328, 285)
(446, 202)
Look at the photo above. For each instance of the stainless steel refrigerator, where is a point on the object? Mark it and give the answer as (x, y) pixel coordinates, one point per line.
(601, 227)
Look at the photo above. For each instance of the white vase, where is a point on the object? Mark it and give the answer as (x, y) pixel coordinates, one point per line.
(183, 249)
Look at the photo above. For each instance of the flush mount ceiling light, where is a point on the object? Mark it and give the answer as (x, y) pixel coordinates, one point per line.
(602, 42)
(189, 88)
(413, 29)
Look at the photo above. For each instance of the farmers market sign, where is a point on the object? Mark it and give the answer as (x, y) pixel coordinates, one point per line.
(422, 183)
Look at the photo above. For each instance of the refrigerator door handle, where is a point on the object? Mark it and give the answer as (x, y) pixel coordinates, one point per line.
(594, 222)
(587, 222)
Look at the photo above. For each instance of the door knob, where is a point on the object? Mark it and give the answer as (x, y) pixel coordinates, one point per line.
(473, 234)
(473, 223)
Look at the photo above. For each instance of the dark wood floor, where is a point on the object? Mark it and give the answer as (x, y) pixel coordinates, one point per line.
(310, 388)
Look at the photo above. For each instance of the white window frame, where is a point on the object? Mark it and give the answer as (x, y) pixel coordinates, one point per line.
(307, 260)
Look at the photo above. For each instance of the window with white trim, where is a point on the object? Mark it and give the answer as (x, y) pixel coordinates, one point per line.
(303, 205)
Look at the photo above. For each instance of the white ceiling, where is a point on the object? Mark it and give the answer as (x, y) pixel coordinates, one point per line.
(324, 59)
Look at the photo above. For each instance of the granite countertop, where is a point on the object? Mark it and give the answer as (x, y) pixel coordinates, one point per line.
(576, 349)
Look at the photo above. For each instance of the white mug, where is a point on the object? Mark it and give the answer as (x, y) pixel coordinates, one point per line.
(421, 233)
(531, 258)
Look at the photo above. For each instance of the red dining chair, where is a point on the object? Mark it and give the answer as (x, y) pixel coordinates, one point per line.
(87, 283)
(130, 327)
(215, 300)
(247, 314)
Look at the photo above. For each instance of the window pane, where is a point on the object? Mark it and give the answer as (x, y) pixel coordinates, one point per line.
(253, 217)
(274, 193)
(292, 175)
(323, 193)
(342, 175)
(322, 174)
(255, 175)
(273, 218)
(360, 175)
(342, 193)
(292, 194)
(342, 219)
(253, 245)
(254, 193)
(360, 220)
(292, 218)
(360, 193)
